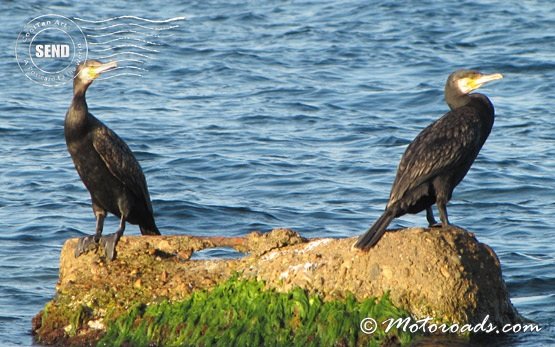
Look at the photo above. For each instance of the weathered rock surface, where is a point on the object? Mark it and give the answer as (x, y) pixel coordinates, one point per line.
(441, 273)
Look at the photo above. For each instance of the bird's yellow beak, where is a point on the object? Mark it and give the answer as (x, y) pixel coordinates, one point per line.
(94, 71)
(478, 81)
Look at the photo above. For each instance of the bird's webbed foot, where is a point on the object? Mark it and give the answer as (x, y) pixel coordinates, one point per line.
(109, 243)
(86, 244)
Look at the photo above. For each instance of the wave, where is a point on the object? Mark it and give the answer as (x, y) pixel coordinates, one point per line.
(128, 46)
(137, 40)
(121, 74)
(130, 17)
(120, 53)
(131, 60)
(132, 24)
(125, 38)
(116, 33)
(129, 32)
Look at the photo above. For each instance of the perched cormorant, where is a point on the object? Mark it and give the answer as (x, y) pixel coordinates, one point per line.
(106, 166)
(440, 156)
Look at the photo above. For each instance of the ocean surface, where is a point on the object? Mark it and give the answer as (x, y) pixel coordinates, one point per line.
(250, 115)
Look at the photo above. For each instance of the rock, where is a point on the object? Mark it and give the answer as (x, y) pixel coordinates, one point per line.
(445, 274)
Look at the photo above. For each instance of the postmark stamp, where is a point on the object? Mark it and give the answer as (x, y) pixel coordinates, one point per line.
(48, 49)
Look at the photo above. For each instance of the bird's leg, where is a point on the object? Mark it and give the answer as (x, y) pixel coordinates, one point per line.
(100, 216)
(109, 242)
(442, 208)
(91, 242)
(430, 216)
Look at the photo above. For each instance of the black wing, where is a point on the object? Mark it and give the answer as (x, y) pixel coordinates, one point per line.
(451, 141)
(120, 161)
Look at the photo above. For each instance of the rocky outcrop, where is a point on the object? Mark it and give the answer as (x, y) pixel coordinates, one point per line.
(445, 274)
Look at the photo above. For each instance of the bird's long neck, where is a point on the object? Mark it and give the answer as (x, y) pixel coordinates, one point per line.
(486, 113)
(78, 110)
(455, 99)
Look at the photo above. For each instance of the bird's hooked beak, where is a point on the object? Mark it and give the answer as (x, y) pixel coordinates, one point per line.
(479, 80)
(466, 85)
(482, 79)
(95, 71)
(106, 67)
(90, 73)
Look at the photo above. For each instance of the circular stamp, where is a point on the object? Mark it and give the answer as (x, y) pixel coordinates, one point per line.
(48, 49)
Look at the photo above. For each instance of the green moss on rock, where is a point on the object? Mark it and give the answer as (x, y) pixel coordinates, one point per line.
(158, 295)
(245, 312)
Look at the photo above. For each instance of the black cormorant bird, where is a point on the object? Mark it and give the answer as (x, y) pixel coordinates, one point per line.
(440, 156)
(106, 166)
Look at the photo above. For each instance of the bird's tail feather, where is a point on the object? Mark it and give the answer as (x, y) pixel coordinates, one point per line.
(149, 230)
(376, 231)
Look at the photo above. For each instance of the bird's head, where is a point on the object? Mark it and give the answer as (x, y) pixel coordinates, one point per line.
(466, 81)
(89, 70)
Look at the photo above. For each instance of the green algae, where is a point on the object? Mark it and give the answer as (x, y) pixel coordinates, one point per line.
(246, 313)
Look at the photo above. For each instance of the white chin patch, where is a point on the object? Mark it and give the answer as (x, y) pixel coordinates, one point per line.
(464, 86)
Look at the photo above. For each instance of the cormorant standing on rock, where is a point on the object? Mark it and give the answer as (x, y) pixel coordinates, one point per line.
(440, 156)
(106, 166)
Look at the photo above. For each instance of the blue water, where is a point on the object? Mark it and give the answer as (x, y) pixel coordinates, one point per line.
(256, 115)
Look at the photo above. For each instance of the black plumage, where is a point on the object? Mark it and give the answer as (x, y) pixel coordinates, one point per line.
(106, 165)
(440, 156)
